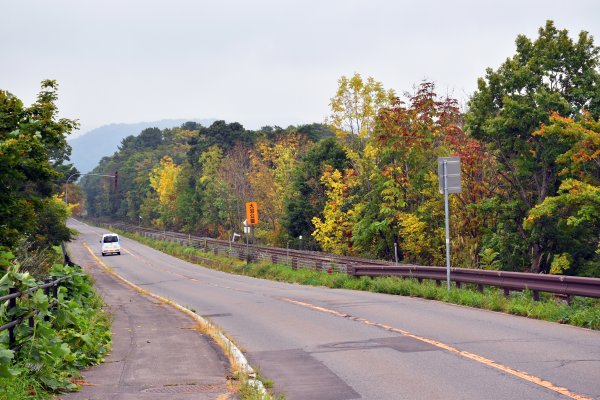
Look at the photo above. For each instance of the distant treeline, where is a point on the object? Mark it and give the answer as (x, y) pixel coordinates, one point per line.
(366, 180)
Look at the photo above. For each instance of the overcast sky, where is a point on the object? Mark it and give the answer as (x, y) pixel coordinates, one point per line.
(256, 62)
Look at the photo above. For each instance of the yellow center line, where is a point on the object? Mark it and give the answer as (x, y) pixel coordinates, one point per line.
(486, 361)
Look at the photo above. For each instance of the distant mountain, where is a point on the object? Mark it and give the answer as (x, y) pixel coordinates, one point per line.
(89, 148)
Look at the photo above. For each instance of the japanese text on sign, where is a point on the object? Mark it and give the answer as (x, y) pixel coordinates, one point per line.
(252, 213)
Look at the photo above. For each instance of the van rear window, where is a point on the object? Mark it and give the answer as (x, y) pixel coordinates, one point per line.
(111, 239)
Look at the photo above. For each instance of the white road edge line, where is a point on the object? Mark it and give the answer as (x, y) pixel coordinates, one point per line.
(228, 345)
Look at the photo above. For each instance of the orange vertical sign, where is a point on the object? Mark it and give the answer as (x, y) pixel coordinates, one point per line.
(252, 213)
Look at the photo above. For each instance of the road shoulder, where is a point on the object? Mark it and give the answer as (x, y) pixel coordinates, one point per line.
(157, 352)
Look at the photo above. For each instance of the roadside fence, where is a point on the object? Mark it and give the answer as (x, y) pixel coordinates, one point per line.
(50, 288)
(14, 297)
(565, 286)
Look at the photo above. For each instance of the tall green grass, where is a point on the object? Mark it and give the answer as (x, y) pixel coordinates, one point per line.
(583, 312)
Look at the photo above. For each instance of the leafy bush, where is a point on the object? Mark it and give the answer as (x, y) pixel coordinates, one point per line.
(76, 334)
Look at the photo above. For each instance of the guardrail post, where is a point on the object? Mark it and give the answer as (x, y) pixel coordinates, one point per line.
(294, 263)
(47, 293)
(536, 295)
(12, 303)
(55, 295)
(274, 258)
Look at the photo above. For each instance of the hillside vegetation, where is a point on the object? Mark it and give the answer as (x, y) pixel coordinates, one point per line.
(89, 148)
(367, 180)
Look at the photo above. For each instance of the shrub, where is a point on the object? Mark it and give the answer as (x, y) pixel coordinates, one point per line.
(77, 333)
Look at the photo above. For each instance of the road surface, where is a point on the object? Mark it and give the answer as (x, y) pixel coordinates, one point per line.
(332, 344)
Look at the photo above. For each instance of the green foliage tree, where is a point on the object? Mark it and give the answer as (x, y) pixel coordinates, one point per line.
(308, 199)
(221, 134)
(551, 74)
(33, 150)
(570, 221)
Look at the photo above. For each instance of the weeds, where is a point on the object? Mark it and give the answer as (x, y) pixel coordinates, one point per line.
(63, 340)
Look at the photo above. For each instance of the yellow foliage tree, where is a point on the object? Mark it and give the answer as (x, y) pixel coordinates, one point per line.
(355, 107)
(334, 231)
(272, 164)
(163, 180)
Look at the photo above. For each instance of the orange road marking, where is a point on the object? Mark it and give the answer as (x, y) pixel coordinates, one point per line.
(483, 360)
(520, 374)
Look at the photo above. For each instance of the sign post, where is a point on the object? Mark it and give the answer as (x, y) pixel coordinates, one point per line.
(251, 219)
(449, 182)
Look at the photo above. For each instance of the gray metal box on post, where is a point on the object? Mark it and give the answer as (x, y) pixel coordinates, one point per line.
(449, 180)
(452, 174)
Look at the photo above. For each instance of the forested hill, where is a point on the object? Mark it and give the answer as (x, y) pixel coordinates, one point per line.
(89, 148)
(197, 179)
(529, 144)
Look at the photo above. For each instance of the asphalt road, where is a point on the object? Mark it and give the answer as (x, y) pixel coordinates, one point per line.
(319, 343)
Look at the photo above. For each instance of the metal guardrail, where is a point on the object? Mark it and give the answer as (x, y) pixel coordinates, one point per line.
(50, 288)
(296, 259)
(556, 284)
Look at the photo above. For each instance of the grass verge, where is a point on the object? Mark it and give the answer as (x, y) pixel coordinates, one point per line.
(582, 312)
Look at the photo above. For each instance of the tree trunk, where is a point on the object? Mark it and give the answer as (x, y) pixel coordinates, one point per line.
(536, 258)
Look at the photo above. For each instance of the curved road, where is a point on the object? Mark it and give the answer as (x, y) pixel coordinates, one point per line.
(319, 343)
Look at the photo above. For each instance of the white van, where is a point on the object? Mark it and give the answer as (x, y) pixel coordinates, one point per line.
(110, 244)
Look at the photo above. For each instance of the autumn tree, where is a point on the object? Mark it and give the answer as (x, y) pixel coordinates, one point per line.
(163, 179)
(550, 74)
(309, 190)
(569, 222)
(272, 165)
(404, 206)
(354, 110)
(334, 229)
